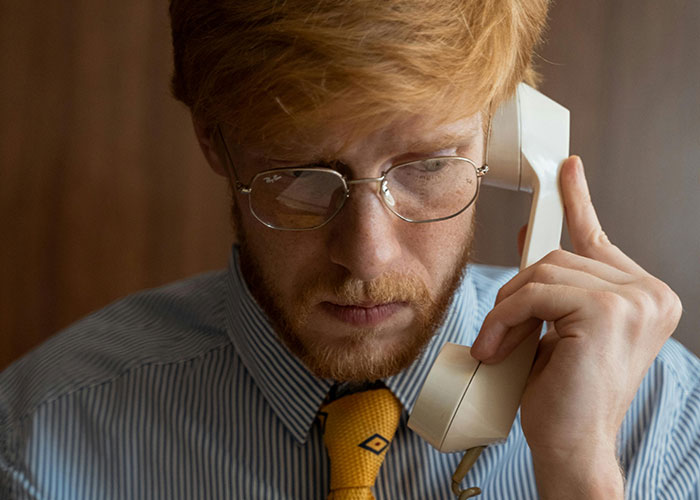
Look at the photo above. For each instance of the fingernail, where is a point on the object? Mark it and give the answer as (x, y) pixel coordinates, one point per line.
(579, 165)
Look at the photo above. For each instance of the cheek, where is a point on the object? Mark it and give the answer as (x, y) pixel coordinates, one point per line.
(442, 246)
(285, 259)
(290, 260)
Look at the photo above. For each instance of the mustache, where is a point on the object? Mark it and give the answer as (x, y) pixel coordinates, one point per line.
(389, 287)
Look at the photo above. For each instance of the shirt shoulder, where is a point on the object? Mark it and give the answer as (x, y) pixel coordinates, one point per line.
(682, 366)
(660, 435)
(673, 384)
(175, 322)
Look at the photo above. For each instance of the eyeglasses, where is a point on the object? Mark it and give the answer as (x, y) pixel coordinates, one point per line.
(305, 198)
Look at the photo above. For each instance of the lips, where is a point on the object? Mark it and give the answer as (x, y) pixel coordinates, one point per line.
(363, 315)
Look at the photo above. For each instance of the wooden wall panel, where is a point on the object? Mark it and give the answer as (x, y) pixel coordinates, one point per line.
(103, 189)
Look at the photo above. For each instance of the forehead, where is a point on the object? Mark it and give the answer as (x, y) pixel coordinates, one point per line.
(414, 133)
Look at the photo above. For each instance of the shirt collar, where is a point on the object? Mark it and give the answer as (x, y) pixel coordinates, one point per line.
(292, 391)
(294, 394)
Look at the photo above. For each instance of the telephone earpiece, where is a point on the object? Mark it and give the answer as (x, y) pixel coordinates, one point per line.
(463, 403)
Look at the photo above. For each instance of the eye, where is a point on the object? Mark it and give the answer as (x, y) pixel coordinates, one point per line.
(433, 165)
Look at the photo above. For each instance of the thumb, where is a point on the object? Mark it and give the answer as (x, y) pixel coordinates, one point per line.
(521, 239)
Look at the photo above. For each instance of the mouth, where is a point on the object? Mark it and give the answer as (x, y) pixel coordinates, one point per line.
(363, 315)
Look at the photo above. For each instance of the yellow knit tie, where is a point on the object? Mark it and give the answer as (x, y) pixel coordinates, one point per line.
(357, 430)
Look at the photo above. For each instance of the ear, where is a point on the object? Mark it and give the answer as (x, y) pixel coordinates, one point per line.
(208, 140)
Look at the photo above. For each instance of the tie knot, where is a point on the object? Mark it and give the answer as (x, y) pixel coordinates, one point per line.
(357, 430)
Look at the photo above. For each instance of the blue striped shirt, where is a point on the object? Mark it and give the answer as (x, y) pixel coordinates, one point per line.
(185, 392)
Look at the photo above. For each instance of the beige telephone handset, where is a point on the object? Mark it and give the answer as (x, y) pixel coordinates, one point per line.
(465, 404)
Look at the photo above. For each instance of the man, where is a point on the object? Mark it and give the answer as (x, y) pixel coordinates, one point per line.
(341, 126)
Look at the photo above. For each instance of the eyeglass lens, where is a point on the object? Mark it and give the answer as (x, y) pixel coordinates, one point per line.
(296, 198)
(419, 191)
(431, 189)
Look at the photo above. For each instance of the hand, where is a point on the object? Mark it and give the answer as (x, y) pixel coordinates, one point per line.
(609, 318)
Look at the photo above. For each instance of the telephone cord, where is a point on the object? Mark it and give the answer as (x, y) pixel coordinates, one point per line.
(465, 464)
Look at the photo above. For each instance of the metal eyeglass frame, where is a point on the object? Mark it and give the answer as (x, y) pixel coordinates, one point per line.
(246, 189)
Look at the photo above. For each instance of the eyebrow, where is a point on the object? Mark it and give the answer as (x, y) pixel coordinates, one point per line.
(316, 157)
(443, 141)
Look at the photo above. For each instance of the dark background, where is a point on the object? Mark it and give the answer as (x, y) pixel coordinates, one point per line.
(103, 190)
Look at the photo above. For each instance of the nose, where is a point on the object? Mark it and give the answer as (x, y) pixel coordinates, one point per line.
(365, 236)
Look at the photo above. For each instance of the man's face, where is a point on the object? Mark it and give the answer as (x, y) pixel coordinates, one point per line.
(358, 298)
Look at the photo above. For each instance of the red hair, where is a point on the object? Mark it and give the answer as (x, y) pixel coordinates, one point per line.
(266, 67)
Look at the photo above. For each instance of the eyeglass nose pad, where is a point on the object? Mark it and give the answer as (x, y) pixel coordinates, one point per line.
(386, 194)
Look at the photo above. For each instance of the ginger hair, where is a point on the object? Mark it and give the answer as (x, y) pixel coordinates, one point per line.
(266, 68)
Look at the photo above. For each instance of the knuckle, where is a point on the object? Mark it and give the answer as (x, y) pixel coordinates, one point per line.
(676, 310)
(611, 303)
(598, 238)
(503, 292)
(642, 303)
(668, 303)
(531, 288)
(545, 273)
(654, 307)
(492, 318)
(555, 257)
(488, 318)
(639, 312)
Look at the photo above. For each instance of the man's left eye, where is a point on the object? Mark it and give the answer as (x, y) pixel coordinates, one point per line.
(434, 166)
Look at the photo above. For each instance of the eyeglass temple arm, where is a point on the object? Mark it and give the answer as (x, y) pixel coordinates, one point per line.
(484, 169)
(239, 185)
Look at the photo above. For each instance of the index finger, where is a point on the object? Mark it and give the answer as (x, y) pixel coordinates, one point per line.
(587, 236)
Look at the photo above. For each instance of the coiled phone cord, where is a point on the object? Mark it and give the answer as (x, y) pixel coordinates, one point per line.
(465, 464)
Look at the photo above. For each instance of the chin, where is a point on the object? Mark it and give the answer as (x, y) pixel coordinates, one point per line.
(366, 356)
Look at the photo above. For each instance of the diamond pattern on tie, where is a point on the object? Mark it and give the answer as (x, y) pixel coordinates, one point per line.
(376, 444)
(354, 425)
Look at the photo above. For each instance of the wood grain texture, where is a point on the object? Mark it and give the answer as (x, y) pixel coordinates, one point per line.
(103, 190)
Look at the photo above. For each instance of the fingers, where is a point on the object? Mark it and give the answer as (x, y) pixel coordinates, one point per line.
(560, 266)
(587, 236)
(580, 305)
(517, 316)
(596, 289)
(492, 349)
(545, 349)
